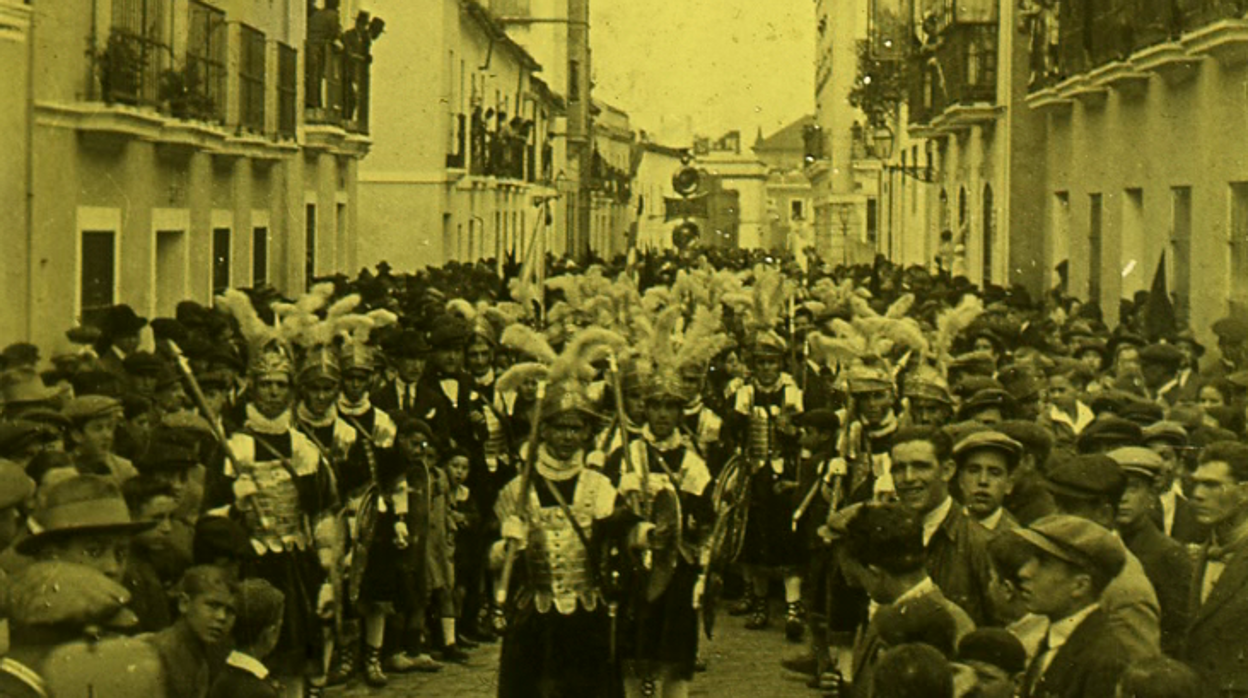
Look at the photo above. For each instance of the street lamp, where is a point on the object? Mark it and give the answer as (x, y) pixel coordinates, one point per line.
(882, 140)
(843, 211)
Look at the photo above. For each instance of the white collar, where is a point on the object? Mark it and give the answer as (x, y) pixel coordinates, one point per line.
(673, 441)
(934, 518)
(926, 586)
(990, 521)
(248, 663)
(259, 423)
(486, 379)
(357, 409)
(1060, 631)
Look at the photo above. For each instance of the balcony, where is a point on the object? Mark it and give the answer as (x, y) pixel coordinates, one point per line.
(496, 148)
(1116, 41)
(337, 88)
(953, 81)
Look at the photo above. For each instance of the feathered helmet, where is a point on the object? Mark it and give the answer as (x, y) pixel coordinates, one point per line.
(925, 382)
(485, 320)
(866, 346)
(673, 349)
(356, 354)
(564, 376)
(269, 352)
(316, 336)
(763, 308)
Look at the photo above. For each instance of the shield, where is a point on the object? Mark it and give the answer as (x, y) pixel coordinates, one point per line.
(730, 499)
(665, 542)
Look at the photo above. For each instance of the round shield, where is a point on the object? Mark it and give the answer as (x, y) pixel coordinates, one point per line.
(731, 485)
(664, 541)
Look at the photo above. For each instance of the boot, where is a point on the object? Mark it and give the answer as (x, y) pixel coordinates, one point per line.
(759, 615)
(344, 668)
(745, 606)
(795, 622)
(373, 674)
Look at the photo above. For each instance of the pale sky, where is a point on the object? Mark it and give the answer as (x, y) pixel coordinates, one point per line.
(723, 64)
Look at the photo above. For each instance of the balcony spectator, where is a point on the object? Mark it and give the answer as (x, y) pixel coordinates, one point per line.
(477, 140)
(324, 30)
(358, 43)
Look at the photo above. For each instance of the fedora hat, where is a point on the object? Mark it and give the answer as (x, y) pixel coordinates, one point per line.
(82, 504)
(121, 320)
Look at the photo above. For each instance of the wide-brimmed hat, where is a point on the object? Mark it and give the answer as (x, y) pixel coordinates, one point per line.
(81, 504)
(120, 321)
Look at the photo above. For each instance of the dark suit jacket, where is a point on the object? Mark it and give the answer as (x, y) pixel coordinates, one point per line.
(957, 560)
(1169, 568)
(1217, 639)
(1186, 528)
(1088, 665)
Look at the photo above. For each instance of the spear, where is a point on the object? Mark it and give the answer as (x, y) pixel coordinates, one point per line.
(526, 476)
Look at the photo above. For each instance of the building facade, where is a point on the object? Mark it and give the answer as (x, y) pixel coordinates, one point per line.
(967, 75)
(789, 213)
(187, 150)
(1143, 113)
(611, 181)
(652, 184)
(464, 162)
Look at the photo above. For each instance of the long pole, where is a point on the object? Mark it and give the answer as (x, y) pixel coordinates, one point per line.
(526, 477)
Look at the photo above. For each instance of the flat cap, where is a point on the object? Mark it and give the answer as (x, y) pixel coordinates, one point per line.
(822, 419)
(1032, 436)
(1087, 477)
(91, 406)
(1232, 329)
(17, 433)
(1141, 412)
(995, 646)
(167, 454)
(1165, 354)
(1077, 541)
(991, 440)
(1109, 430)
(1138, 460)
(15, 486)
(449, 331)
(1165, 432)
(989, 398)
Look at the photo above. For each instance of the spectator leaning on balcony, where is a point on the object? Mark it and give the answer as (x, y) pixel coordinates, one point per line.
(324, 29)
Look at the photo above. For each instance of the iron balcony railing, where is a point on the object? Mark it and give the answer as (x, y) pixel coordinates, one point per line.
(1094, 33)
(959, 69)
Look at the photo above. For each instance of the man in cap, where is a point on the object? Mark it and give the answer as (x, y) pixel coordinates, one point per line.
(1108, 432)
(925, 398)
(119, 337)
(142, 370)
(1217, 636)
(884, 551)
(93, 420)
(1232, 334)
(1072, 560)
(409, 352)
(1091, 487)
(1160, 365)
(445, 395)
(997, 660)
(1175, 516)
(1166, 562)
(922, 467)
(85, 520)
(1029, 498)
(988, 406)
(986, 463)
(16, 488)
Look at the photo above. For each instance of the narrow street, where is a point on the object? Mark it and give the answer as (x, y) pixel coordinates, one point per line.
(742, 663)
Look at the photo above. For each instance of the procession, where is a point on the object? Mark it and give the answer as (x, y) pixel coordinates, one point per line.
(601, 349)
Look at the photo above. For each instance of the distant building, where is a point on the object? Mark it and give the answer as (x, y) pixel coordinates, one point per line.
(188, 149)
(611, 181)
(655, 165)
(789, 213)
(738, 215)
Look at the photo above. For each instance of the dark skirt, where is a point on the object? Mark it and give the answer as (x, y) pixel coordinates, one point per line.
(550, 655)
(662, 636)
(299, 576)
(380, 585)
(769, 537)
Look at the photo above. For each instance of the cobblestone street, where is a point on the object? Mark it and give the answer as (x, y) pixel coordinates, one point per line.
(742, 663)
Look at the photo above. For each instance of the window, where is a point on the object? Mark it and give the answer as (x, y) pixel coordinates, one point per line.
(99, 270)
(795, 210)
(1095, 215)
(990, 233)
(1239, 246)
(220, 259)
(574, 81)
(1059, 250)
(1135, 270)
(309, 244)
(340, 238)
(259, 256)
(137, 52)
(287, 87)
(204, 74)
(873, 218)
(1181, 244)
(251, 79)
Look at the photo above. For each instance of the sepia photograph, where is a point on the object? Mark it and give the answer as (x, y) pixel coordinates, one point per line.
(624, 348)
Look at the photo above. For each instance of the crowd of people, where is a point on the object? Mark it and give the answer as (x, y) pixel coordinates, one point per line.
(966, 491)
